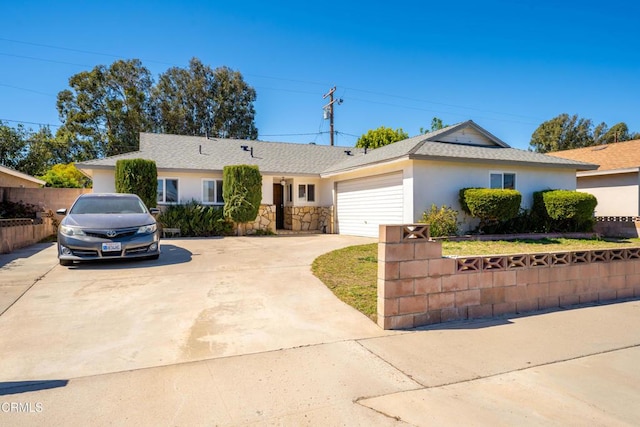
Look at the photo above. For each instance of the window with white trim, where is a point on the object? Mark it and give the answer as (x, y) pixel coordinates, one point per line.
(168, 190)
(503, 180)
(212, 192)
(307, 192)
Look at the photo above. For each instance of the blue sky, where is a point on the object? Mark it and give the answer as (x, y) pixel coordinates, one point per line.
(507, 65)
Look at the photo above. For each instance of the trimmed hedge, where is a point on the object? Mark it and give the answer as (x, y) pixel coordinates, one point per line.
(138, 176)
(242, 192)
(491, 205)
(572, 209)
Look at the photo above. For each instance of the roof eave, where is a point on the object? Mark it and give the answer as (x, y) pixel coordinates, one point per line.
(573, 166)
(608, 172)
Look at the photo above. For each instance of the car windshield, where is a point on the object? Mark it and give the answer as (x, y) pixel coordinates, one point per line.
(108, 205)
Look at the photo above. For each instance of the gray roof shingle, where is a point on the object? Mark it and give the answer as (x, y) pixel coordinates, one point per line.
(181, 153)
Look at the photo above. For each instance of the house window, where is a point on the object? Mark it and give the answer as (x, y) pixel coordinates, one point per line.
(290, 193)
(307, 192)
(503, 180)
(167, 190)
(212, 192)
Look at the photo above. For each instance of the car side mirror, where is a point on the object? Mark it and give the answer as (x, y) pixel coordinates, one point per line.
(61, 212)
(154, 211)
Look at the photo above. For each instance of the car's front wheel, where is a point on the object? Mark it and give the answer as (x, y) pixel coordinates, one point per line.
(66, 262)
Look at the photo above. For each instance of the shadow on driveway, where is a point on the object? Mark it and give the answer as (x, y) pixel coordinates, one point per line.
(25, 252)
(170, 255)
(15, 387)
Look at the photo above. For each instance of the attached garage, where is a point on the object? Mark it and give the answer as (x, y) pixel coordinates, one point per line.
(363, 204)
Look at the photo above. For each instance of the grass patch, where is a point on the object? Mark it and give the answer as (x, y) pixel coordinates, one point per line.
(351, 273)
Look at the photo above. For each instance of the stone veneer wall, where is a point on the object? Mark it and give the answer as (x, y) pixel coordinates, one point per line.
(308, 218)
(265, 221)
(417, 286)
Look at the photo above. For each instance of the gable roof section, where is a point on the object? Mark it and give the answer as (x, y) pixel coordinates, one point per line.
(182, 153)
(609, 157)
(20, 175)
(462, 142)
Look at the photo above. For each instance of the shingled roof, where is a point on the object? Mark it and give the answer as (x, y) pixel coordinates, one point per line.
(453, 143)
(445, 144)
(609, 157)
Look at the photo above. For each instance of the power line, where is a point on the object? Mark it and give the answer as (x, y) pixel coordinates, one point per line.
(29, 123)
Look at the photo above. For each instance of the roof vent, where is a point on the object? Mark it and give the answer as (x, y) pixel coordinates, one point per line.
(347, 152)
(245, 147)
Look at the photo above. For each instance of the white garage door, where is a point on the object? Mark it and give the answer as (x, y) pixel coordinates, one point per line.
(363, 204)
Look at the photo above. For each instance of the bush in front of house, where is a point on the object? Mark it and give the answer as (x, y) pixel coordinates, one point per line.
(442, 221)
(12, 210)
(570, 210)
(138, 176)
(491, 206)
(242, 193)
(196, 220)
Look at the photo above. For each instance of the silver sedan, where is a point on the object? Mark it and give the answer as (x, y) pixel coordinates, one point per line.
(107, 226)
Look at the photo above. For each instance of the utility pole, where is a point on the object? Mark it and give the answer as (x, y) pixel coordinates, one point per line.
(328, 110)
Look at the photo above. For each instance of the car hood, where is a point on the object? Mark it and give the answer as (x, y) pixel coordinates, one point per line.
(108, 220)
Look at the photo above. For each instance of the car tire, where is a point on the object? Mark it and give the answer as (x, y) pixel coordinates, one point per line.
(66, 262)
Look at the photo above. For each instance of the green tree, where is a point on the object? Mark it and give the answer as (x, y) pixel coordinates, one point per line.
(105, 109)
(138, 176)
(13, 145)
(566, 132)
(199, 100)
(242, 193)
(380, 137)
(65, 176)
(436, 124)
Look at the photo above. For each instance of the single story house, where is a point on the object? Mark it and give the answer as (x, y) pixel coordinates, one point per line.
(12, 178)
(616, 181)
(340, 189)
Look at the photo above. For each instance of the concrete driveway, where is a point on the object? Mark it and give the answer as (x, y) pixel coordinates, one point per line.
(204, 298)
(237, 331)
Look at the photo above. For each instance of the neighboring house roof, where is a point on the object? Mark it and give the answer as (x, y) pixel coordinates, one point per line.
(618, 156)
(462, 142)
(20, 175)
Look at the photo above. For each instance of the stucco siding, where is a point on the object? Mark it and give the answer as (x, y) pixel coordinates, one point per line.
(617, 194)
(440, 182)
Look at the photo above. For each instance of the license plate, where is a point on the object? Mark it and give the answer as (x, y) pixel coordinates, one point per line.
(111, 247)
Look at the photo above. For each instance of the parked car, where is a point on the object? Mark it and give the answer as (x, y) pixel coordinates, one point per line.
(107, 226)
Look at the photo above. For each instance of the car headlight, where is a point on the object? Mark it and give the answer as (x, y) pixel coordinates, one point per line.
(147, 229)
(71, 231)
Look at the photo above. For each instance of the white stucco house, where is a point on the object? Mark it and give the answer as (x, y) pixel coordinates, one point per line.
(345, 190)
(616, 181)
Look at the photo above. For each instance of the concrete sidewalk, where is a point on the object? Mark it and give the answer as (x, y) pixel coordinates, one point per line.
(570, 367)
(575, 367)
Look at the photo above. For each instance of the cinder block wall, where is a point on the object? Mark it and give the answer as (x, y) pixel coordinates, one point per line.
(46, 198)
(23, 233)
(417, 286)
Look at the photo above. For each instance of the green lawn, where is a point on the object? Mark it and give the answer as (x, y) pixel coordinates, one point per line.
(351, 273)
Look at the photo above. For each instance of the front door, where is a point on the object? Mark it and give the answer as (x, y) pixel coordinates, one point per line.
(278, 201)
